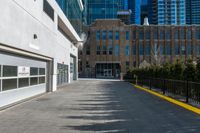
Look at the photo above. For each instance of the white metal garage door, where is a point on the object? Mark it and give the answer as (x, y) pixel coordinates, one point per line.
(20, 78)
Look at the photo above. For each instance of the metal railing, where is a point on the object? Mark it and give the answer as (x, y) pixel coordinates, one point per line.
(185, 91)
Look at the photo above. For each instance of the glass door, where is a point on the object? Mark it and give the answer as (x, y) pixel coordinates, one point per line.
(108, 73)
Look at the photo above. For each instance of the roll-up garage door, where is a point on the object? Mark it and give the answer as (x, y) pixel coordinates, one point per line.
(21, 78)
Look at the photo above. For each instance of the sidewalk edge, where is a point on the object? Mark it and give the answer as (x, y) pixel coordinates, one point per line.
(171, 100)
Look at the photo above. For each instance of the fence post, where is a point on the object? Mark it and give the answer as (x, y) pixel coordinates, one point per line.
(150, 83)
(141, 81)
(187, 91)
(164, 87)
(136, 80)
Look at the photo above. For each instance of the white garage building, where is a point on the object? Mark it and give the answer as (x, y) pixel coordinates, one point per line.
(38, 49)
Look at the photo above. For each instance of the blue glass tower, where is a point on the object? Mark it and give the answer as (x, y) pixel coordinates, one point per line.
(135, 7)
(126, 4)
(167, 12)
(103, 9)
(72, 10)
(107, 9)
(193, 11)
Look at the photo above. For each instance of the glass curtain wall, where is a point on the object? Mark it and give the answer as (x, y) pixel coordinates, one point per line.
(73, 12)
(103, 9)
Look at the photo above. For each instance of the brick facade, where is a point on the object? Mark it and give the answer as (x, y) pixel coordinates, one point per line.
(143, 43)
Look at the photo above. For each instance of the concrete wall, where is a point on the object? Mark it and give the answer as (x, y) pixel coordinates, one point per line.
(21, 19)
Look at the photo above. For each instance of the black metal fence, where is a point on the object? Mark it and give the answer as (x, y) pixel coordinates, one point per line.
(182, 90)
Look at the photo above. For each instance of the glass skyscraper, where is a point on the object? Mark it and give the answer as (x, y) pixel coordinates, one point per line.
(107, 9)
(135, 7)
(126, 4)
(193, 11)
(167, 12)
(103, 9)
(72, 10)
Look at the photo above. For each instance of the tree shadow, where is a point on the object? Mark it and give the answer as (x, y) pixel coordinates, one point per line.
(104, 111)
(120, 109)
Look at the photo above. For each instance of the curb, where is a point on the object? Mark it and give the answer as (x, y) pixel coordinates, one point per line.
(171, 100)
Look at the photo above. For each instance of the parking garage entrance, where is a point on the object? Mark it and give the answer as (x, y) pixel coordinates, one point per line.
(108, 70)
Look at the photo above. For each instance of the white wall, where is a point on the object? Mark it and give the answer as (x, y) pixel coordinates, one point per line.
(21, 19)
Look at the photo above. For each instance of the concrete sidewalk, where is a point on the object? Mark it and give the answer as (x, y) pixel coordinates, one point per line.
(98, 106)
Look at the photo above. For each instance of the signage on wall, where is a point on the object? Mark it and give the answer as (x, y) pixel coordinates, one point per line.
(23, 71)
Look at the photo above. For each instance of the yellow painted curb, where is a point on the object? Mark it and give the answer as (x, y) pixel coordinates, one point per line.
(181, 104)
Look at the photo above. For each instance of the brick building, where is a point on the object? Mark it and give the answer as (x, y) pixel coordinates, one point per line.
(113, 47)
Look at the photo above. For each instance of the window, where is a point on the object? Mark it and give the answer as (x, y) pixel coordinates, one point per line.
(155, 48)
(48, 9)
(41, 80)
(98, 35)
(110, 35)
(11, 79)
(34, 80)
(104, 49)
(197, 34)
(134, 49)
(155, 34)
(117, 50)
(9, 71)
(42, 71)
(147, 35)
(189, 34)
(23, 82)
(87, 50)
(168, 35)
(148, 48)
(8, 84)
(134, 34)
(161, 48)
(117, 35)
(110, 49)
(189, 48)
(104, 35)
(141, 50)
(176, 34)
(177, 49)
(197, 49)
(127, 50)
(98, 50)
(182, 33)
(162, 35)
(33, 71)
(167, 48)
(127, 35)
(141, 35)
(183, 49)
(127, 65)
(87, 64)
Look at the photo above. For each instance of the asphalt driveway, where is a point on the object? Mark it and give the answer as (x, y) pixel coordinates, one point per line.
(98, 106)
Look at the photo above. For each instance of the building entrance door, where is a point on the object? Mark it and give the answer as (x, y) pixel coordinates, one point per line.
(107, 73)
(107, 70)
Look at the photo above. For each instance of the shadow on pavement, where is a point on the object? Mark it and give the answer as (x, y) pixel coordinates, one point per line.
(115, 107)
(104, 110)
